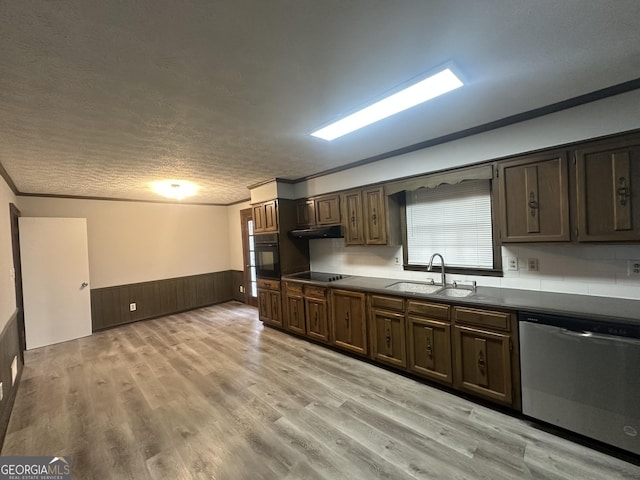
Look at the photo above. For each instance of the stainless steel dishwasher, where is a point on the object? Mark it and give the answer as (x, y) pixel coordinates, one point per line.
(583, 376)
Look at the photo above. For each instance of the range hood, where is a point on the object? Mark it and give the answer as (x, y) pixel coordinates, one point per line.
(332, 231)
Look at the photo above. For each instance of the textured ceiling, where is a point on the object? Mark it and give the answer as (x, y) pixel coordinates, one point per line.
(100, 98)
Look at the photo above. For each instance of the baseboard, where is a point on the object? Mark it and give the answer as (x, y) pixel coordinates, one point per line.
(9, 349)
(110, 306)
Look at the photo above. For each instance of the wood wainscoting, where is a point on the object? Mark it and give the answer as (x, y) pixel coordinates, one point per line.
(9, 349)
(110, 305)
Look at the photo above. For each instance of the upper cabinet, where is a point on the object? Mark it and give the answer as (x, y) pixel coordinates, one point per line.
(265, 217)
(323, 210)
(608, 191)
(534, 199)
(365, 217)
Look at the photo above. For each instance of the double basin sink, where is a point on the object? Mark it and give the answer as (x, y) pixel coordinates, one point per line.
(427, 288)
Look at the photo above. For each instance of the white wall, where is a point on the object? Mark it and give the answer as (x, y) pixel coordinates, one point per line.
(236, 261)
(604, 117)
(586, 269)
(131, 242)
(599, 270)
(7, 286)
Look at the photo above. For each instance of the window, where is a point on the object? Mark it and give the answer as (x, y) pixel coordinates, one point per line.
(453, 220)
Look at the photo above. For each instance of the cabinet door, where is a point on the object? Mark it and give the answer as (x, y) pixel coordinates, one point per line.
(270, 216)
(608, 185)
(352, 218)
(388, 338)
(264, 305)
(305, 213)
(258, 218)
(348, 321)
(375, 218)
(328, 210)
(295, 314)
(275, 310)
(317, 322)
(483, 363)
(534, 199)
(430, 349)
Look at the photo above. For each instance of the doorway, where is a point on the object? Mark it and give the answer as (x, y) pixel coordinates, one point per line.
(249, 258)
(14, 215)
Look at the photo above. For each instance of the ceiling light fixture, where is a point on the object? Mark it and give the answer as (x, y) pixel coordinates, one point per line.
(431, 87)
(176, 189)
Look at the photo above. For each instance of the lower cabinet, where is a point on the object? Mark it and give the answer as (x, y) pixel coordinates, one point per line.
(429, 339)
(294, 318)
(388, 339)
(315, 299)
(269, 302)
(349, 321)
(483, 351)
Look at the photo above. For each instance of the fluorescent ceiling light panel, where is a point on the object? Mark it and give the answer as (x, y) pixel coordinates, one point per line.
(177, 189)
(431, 87)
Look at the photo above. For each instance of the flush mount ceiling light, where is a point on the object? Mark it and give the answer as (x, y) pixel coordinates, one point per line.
(176, 189)
(431, 87)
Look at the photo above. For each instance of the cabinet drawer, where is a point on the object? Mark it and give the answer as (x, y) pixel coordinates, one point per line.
(485, 318)
(388, 303)
(294, 288)
(315, 292)
(431, 310)
(268, 284)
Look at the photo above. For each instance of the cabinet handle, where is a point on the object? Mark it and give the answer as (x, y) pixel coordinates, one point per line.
(623, 191)
(346, 319)
(429, 350)
(388, 338)
(533, 204)
(481, 363)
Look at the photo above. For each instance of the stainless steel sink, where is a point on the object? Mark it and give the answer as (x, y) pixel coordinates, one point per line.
(455, 292)
(414, 287)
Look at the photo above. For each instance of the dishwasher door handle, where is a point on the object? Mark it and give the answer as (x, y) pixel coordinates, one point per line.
(597, 336)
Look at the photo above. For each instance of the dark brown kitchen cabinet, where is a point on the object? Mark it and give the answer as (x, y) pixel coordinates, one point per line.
(269, 302)
(375, 217)
(348, 320)
(364, 217)
(315, 299)
(352, 218)
(265, 217)
(295, 316)
(305, 213)
(429, 339)
(327, 210)
(388, 339)
(534, 199)
(483, 354)
(608, 191)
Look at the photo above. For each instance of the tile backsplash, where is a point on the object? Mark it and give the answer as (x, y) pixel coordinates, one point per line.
(600, 270)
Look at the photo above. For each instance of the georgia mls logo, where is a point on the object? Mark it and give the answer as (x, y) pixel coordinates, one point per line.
(35, 468)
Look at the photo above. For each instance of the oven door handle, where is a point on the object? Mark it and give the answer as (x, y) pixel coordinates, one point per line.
(598, 336)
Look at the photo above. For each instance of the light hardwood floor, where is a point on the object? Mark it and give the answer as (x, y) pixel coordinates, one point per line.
(212, 394)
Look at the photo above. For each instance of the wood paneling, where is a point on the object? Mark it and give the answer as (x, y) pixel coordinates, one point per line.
(9, 349)
(110, 305)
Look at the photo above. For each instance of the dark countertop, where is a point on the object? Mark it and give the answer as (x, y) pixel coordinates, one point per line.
(579, 306)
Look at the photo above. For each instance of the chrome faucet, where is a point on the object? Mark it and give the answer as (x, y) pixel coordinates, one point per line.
(430, 267)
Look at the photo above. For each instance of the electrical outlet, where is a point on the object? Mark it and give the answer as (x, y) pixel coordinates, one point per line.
(241, 288)
(633, 268)
(14, 370)
(397, 260)
(512, 264)
(133, 307)
(532, 264)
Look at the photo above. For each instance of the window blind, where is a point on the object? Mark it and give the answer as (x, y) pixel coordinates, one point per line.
(453, 220)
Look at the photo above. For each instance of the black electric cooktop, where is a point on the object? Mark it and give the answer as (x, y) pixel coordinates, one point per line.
(319, 276)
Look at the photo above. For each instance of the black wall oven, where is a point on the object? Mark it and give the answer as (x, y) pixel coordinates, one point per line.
(267, 255)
